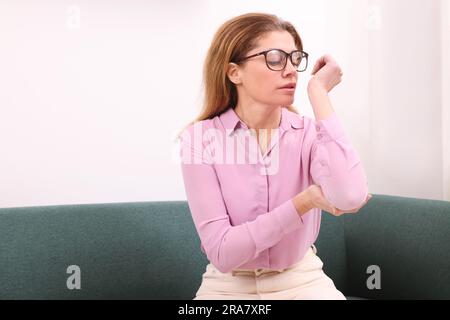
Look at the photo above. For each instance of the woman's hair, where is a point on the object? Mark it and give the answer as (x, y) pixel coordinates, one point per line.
(231, 42)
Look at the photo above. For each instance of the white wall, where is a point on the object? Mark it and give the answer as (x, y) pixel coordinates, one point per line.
(88, 104)
(94, 91)
(405, 102)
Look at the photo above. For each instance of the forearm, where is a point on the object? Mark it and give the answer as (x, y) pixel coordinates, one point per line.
(228, 246)
(319, 99)
(335, 166)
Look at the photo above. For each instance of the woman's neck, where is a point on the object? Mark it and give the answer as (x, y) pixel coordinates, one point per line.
(259, 117)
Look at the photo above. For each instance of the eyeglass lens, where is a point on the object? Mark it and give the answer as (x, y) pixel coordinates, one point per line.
(276, 60)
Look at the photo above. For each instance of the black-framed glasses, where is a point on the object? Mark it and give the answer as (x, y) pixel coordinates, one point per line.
(276, 59)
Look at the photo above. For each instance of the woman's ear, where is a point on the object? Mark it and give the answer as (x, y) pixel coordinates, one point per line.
(233, 73)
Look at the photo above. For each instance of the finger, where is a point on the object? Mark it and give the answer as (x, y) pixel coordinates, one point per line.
(316, 68)
(328, 59)
(357, 209)
(319, 64)
(334, 211)
(369, 196)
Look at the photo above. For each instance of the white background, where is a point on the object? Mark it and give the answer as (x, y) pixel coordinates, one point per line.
(92, 93)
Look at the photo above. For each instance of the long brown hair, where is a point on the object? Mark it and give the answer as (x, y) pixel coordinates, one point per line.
(231, 42)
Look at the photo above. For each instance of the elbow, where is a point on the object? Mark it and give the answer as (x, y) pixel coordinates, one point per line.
(216, 259)
(347, 192)
(349, 198)
(220, 265)
(229, 249)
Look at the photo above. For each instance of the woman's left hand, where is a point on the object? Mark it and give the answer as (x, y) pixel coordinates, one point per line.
(326, 73)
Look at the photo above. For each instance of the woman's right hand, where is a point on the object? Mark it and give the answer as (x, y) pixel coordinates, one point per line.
(314, 198)
(326, 73)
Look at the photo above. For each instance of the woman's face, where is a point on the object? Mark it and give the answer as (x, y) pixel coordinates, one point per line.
(258, 82)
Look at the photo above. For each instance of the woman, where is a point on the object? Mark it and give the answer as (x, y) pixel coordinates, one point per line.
(257, 210)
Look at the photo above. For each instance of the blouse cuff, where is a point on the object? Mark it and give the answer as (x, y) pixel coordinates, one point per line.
(288, 217)
(329, 128)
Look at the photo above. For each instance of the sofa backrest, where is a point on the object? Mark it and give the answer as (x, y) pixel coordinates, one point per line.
(408, 239)
(146, 250)
(150, 250)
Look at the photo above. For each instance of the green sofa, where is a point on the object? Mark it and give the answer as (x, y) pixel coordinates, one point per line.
(150, 250)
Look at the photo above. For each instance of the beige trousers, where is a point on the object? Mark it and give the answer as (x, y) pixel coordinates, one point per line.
(305, 280)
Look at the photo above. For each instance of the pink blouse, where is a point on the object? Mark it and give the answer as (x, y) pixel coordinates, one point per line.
(241, 199)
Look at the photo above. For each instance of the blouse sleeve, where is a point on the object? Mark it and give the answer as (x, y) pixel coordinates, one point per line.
(336, 166)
